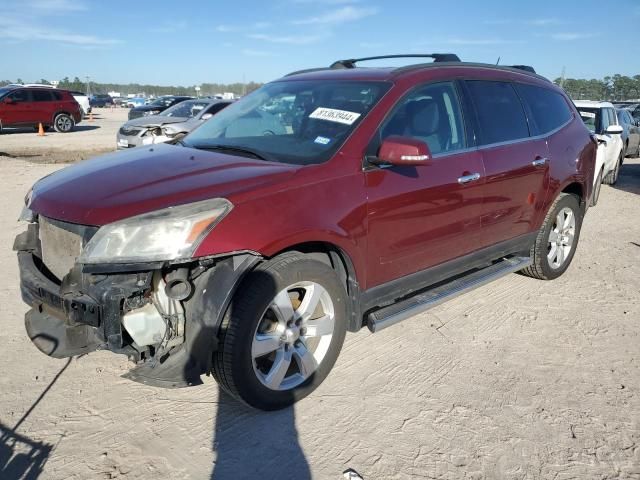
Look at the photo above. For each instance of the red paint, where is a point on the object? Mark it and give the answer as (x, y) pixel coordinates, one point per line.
(390, 222)
(30, 113)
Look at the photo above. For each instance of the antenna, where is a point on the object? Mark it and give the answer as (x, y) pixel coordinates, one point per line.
(498, 62)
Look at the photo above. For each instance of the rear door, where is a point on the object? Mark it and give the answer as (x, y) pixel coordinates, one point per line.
(43, 105)
(516, 165)
(422, 216)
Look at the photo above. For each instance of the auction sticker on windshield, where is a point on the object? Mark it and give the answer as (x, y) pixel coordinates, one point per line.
(587, 114)
(332, 115)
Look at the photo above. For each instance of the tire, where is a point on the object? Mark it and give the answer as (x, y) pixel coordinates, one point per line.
(543, 267)
(255, 315)
(597, 187)
(612, 176)
(63, 123)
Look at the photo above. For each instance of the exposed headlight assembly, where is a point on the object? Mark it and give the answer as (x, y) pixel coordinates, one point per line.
(169, 234)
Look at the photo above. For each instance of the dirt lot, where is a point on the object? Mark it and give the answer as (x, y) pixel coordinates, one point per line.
(520, 379)
(90, 137)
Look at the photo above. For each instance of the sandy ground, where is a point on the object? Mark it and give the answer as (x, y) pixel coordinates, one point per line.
(521, 379)
(90, 137)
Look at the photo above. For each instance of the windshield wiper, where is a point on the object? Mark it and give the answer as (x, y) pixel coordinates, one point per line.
(232, 149)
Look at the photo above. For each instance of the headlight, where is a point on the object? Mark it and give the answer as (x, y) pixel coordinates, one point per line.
(169, 234)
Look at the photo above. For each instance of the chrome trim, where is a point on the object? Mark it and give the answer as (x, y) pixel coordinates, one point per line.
(468, 178)
(414, 158)
(376, 321)
(538, 162)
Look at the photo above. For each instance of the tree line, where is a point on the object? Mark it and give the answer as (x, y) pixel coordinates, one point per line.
(615, 88)
(148, 89)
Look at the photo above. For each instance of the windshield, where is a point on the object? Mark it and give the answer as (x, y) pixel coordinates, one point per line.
(591, 118)
(188, 109)
(297, 122)
(162, 102)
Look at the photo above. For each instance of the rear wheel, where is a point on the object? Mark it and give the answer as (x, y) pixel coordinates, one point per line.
(556, 242)
(63, 123)
(612, 176)
(282, 333)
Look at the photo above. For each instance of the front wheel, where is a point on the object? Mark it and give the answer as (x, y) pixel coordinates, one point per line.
(63, 123)
(282, 333)
(557, 239)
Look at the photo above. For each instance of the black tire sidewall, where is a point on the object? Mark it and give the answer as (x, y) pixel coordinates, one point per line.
(572, 202)
(248, 386)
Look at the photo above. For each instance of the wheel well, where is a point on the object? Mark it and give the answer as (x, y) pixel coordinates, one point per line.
(574, 188)
(339, 260)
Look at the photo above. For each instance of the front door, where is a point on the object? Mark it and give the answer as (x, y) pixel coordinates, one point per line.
(19, 111)
(422, 216)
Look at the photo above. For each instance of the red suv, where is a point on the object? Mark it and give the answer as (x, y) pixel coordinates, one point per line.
(325, 201)
(29, 106)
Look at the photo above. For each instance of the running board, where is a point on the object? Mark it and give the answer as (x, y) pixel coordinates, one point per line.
(387, 316)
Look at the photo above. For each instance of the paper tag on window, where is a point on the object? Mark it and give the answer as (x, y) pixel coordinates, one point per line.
(332, 115)
(588, 114)
(322, 140)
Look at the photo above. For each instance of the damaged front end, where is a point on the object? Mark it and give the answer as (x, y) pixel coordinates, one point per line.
(154, 311)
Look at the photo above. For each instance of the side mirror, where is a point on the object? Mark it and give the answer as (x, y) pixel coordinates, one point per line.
(637, 123)
(398, 150)
(206, 116)
(613, 130)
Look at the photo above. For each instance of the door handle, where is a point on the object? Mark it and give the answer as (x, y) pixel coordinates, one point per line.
(468, 178)
(539, 161)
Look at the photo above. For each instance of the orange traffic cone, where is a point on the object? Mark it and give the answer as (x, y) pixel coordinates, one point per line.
(40, 130)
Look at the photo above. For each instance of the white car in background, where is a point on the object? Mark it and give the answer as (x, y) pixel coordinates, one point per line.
(83, 101)
(601, 119)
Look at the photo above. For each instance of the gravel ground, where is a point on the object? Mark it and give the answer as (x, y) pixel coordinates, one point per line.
(520, 379)
(90, 137)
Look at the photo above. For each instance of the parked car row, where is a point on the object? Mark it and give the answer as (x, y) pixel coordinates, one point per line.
(325, 201)
(170, 125)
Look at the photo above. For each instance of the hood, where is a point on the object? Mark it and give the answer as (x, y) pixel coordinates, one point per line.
(144, 108)
(154, 121)
(144, 179)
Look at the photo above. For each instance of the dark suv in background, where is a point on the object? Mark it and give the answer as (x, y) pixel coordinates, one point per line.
(100, 100)
(160, 104)
(30, 106)
(248, 249)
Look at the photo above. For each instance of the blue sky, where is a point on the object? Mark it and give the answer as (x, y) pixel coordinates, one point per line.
(187, 43)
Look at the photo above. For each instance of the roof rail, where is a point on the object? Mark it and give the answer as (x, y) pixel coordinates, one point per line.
(526, 68)
(437, 57)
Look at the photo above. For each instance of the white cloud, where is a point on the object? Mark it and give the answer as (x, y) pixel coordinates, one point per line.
(570, 36)
(169, 27)
(16, 30)
(52, 6)
(288, 39)
(257, 53)
(241, 28)
(372, 44)
(544, 22)
(326, 2)
(342, 15)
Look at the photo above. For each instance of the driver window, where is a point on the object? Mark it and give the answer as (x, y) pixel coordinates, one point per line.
(19, 96)
(430, 114)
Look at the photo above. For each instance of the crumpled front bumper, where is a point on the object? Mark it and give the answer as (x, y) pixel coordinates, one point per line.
(79, 315)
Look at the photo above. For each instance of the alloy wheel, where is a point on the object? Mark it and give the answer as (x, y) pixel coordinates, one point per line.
(293, 336)
(561, 238)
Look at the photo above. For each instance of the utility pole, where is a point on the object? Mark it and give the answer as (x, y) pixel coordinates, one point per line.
(88, 87)
(562, 77)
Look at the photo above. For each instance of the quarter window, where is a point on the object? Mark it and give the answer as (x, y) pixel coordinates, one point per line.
(430, 114)
(41, 96)
(547, 109)
(499, 112)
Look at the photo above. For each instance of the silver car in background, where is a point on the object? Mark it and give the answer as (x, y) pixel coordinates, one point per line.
(172, 124)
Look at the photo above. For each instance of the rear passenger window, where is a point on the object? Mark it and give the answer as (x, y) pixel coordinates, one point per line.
(56, 95)
(548, 110)
(500, 114)
(430, 114)
(41, 96)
